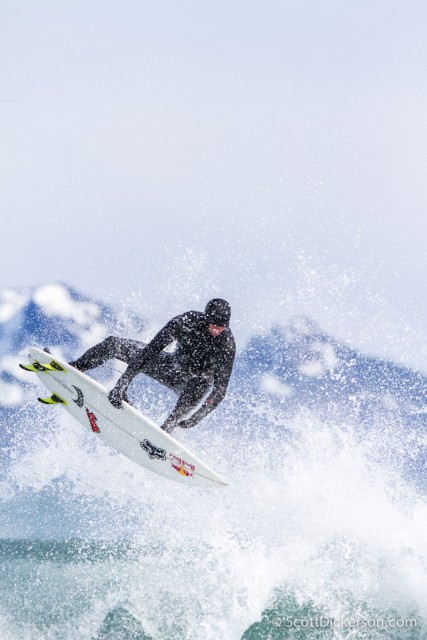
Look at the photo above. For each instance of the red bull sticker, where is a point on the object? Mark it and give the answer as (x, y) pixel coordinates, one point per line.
(92, 421)
(183, 467)
(182, 471)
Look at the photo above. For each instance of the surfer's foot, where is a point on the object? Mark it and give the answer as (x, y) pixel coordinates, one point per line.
(117, 396)
(167, 429)
(169, 425)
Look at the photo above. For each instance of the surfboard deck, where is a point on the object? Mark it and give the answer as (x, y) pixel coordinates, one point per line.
(126, 429)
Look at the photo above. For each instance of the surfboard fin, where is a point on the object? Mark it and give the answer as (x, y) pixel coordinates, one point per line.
(56, 366)
(45, 366)
(53, 399)
(35, 366)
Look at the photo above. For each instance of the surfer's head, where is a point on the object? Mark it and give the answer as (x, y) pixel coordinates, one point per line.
(218, 312)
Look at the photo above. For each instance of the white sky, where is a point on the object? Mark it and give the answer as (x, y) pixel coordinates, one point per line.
(273, 153)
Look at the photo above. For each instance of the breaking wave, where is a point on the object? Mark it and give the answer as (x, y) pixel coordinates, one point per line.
(324, 520)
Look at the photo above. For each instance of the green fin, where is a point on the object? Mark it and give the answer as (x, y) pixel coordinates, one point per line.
(56, 366)
(53, 399)
(35, 366)
(46, 366)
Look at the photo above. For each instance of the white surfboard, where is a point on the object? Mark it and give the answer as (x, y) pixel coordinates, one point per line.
(125, 429)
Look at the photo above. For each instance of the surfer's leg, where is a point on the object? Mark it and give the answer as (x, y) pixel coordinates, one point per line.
(194, 391)
(112, 347)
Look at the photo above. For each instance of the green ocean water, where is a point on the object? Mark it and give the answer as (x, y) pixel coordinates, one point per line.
(78, 589)
(320, 536)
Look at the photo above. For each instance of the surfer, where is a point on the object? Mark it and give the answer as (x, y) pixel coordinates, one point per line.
(198, 370)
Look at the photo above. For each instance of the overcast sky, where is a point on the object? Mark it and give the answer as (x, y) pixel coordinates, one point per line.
(274, 153)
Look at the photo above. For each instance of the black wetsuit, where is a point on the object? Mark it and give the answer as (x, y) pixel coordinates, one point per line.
(200, 365)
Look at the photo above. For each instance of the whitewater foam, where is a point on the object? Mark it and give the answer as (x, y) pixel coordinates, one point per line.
(315, 515)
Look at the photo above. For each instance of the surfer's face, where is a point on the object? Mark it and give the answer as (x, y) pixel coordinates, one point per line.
(215, 330)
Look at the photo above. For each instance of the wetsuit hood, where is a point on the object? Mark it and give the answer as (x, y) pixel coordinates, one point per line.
(218, 312)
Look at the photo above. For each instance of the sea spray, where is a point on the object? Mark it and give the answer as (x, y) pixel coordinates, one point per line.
(313, 517)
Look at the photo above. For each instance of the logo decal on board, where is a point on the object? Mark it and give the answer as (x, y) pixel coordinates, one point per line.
(184, 468)
(152, 450)
(92, 420)
(80, 397)
(182, 471)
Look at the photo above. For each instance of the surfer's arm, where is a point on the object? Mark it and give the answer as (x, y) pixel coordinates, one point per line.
(161, 340)
(216, 396)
